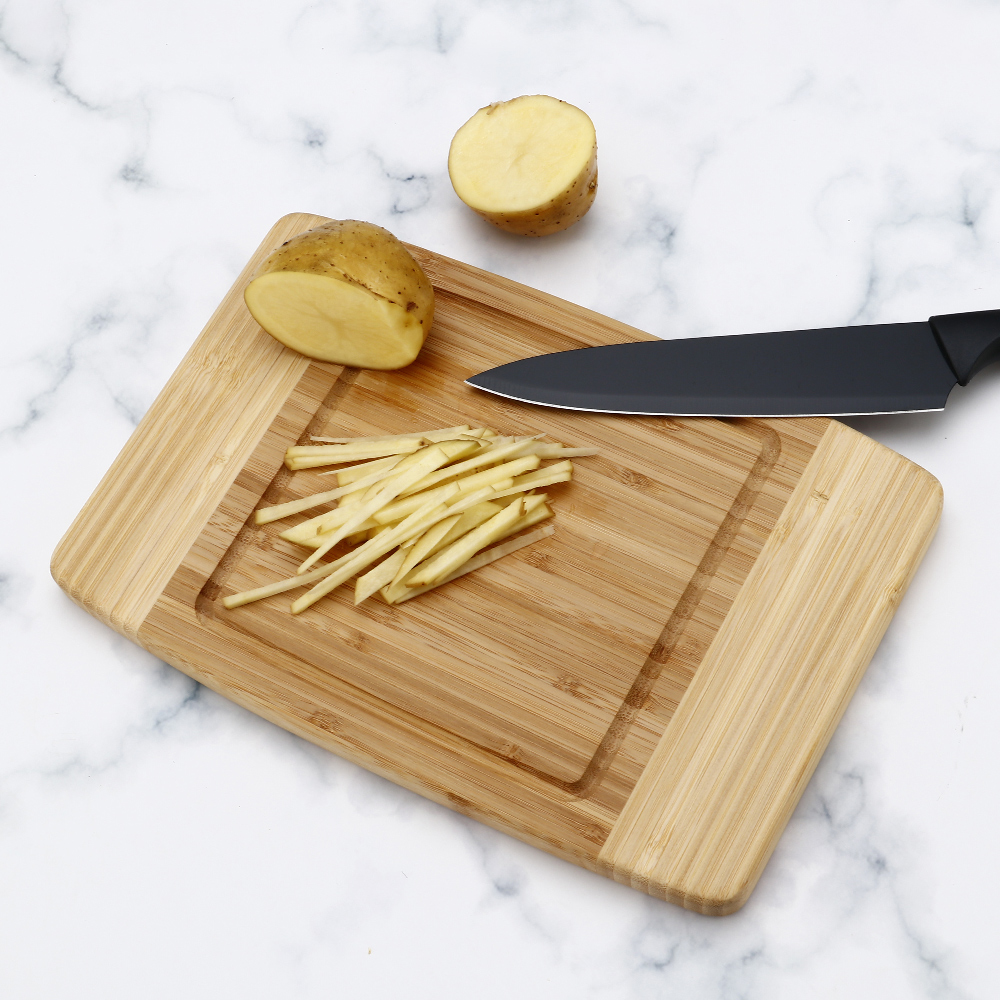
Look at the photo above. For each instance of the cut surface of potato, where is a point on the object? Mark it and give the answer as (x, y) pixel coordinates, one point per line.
(528, 165)
(347, 292)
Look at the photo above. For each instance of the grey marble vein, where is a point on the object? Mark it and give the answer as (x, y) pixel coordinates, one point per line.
(772, 166)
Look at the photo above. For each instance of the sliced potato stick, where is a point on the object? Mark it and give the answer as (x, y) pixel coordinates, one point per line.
(455, 450)
(365, 440)
(560, 473)
(422, 547)
(490, 455)
(468, 485)
(478, 561)
(363, 556)
(315, 541)
(460, 551)
(315, 526)
(327, 522)
(545, 450)
(355, 472)
(465, 522)
(433, 457)
(535, 510)
(358, 450)
(267, 514)
(462, 501)
(447, 433)
(382, 574)
(430, 458)
(539, 513)
(423, 507)
(280, 586)
(471, 518)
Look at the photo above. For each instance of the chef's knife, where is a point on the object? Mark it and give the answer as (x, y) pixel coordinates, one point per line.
(839, 371)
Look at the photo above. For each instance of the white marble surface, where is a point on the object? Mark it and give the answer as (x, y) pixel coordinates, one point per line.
(763, 166)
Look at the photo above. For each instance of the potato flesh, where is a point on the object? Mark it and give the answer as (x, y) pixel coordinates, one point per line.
(435, 541)
(330, 319)
(528, 165)
(358, 297)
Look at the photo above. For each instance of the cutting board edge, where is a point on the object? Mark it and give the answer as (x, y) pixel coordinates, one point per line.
(131, 535)
(684, 835)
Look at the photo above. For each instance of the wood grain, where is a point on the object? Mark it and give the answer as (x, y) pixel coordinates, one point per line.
(708, 809)
(644, 693)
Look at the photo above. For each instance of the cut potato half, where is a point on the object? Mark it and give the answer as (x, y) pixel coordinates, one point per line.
(347, 292)
(528, 165)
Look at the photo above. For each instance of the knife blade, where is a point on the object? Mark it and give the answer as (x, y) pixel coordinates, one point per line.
(836, 371)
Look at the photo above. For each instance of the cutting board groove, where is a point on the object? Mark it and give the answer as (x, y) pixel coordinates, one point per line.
(644, 693)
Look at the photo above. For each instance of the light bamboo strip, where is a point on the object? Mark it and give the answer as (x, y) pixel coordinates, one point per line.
(706, 814)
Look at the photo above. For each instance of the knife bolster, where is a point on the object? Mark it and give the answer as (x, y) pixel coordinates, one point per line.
(970, 341)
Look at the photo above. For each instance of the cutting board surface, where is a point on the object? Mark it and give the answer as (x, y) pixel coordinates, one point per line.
(645, 692)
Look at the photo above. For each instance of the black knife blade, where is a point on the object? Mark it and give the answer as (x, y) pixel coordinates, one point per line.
(838, 371)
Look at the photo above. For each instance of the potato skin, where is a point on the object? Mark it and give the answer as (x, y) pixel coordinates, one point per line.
(363, 254)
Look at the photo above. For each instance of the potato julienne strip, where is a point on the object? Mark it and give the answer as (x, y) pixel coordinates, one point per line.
(488, 456)
(460, 551)
(318, 461)
(333, 519)
(538, 513)
(535, 509)
(396, 590)
(421, 549)
(267, 514)
(471, 483)
(488, 491)
(305, 579)
(562, 472)
(562, 477)
(482, 559)
(457, 449)
(324, 523)
(315, 541)
(434, 457)
(462, 428)
(386, 446)
(382, 574)
(441, 434)
(471, 518)
(355, 472)
(280, 586)
(366, 554)
(545, 450)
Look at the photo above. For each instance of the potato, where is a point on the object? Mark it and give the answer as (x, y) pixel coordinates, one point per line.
(528, 165)
(347, 292)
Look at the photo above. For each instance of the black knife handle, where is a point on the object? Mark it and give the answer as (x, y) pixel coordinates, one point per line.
(969, 341)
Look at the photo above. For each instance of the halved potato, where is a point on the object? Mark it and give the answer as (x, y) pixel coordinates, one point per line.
(347, 292)
(528, 165)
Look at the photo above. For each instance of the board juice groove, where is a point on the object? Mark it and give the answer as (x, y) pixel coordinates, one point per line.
(644, 693)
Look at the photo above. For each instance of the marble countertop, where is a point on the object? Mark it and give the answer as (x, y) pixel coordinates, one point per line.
(764, 166)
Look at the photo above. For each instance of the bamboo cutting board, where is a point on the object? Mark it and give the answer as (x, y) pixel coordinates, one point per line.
(644, 693)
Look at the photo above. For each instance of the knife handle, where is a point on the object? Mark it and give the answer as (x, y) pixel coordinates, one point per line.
(969, 341)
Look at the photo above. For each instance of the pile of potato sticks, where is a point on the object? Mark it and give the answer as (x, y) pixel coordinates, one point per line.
(422, 509)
